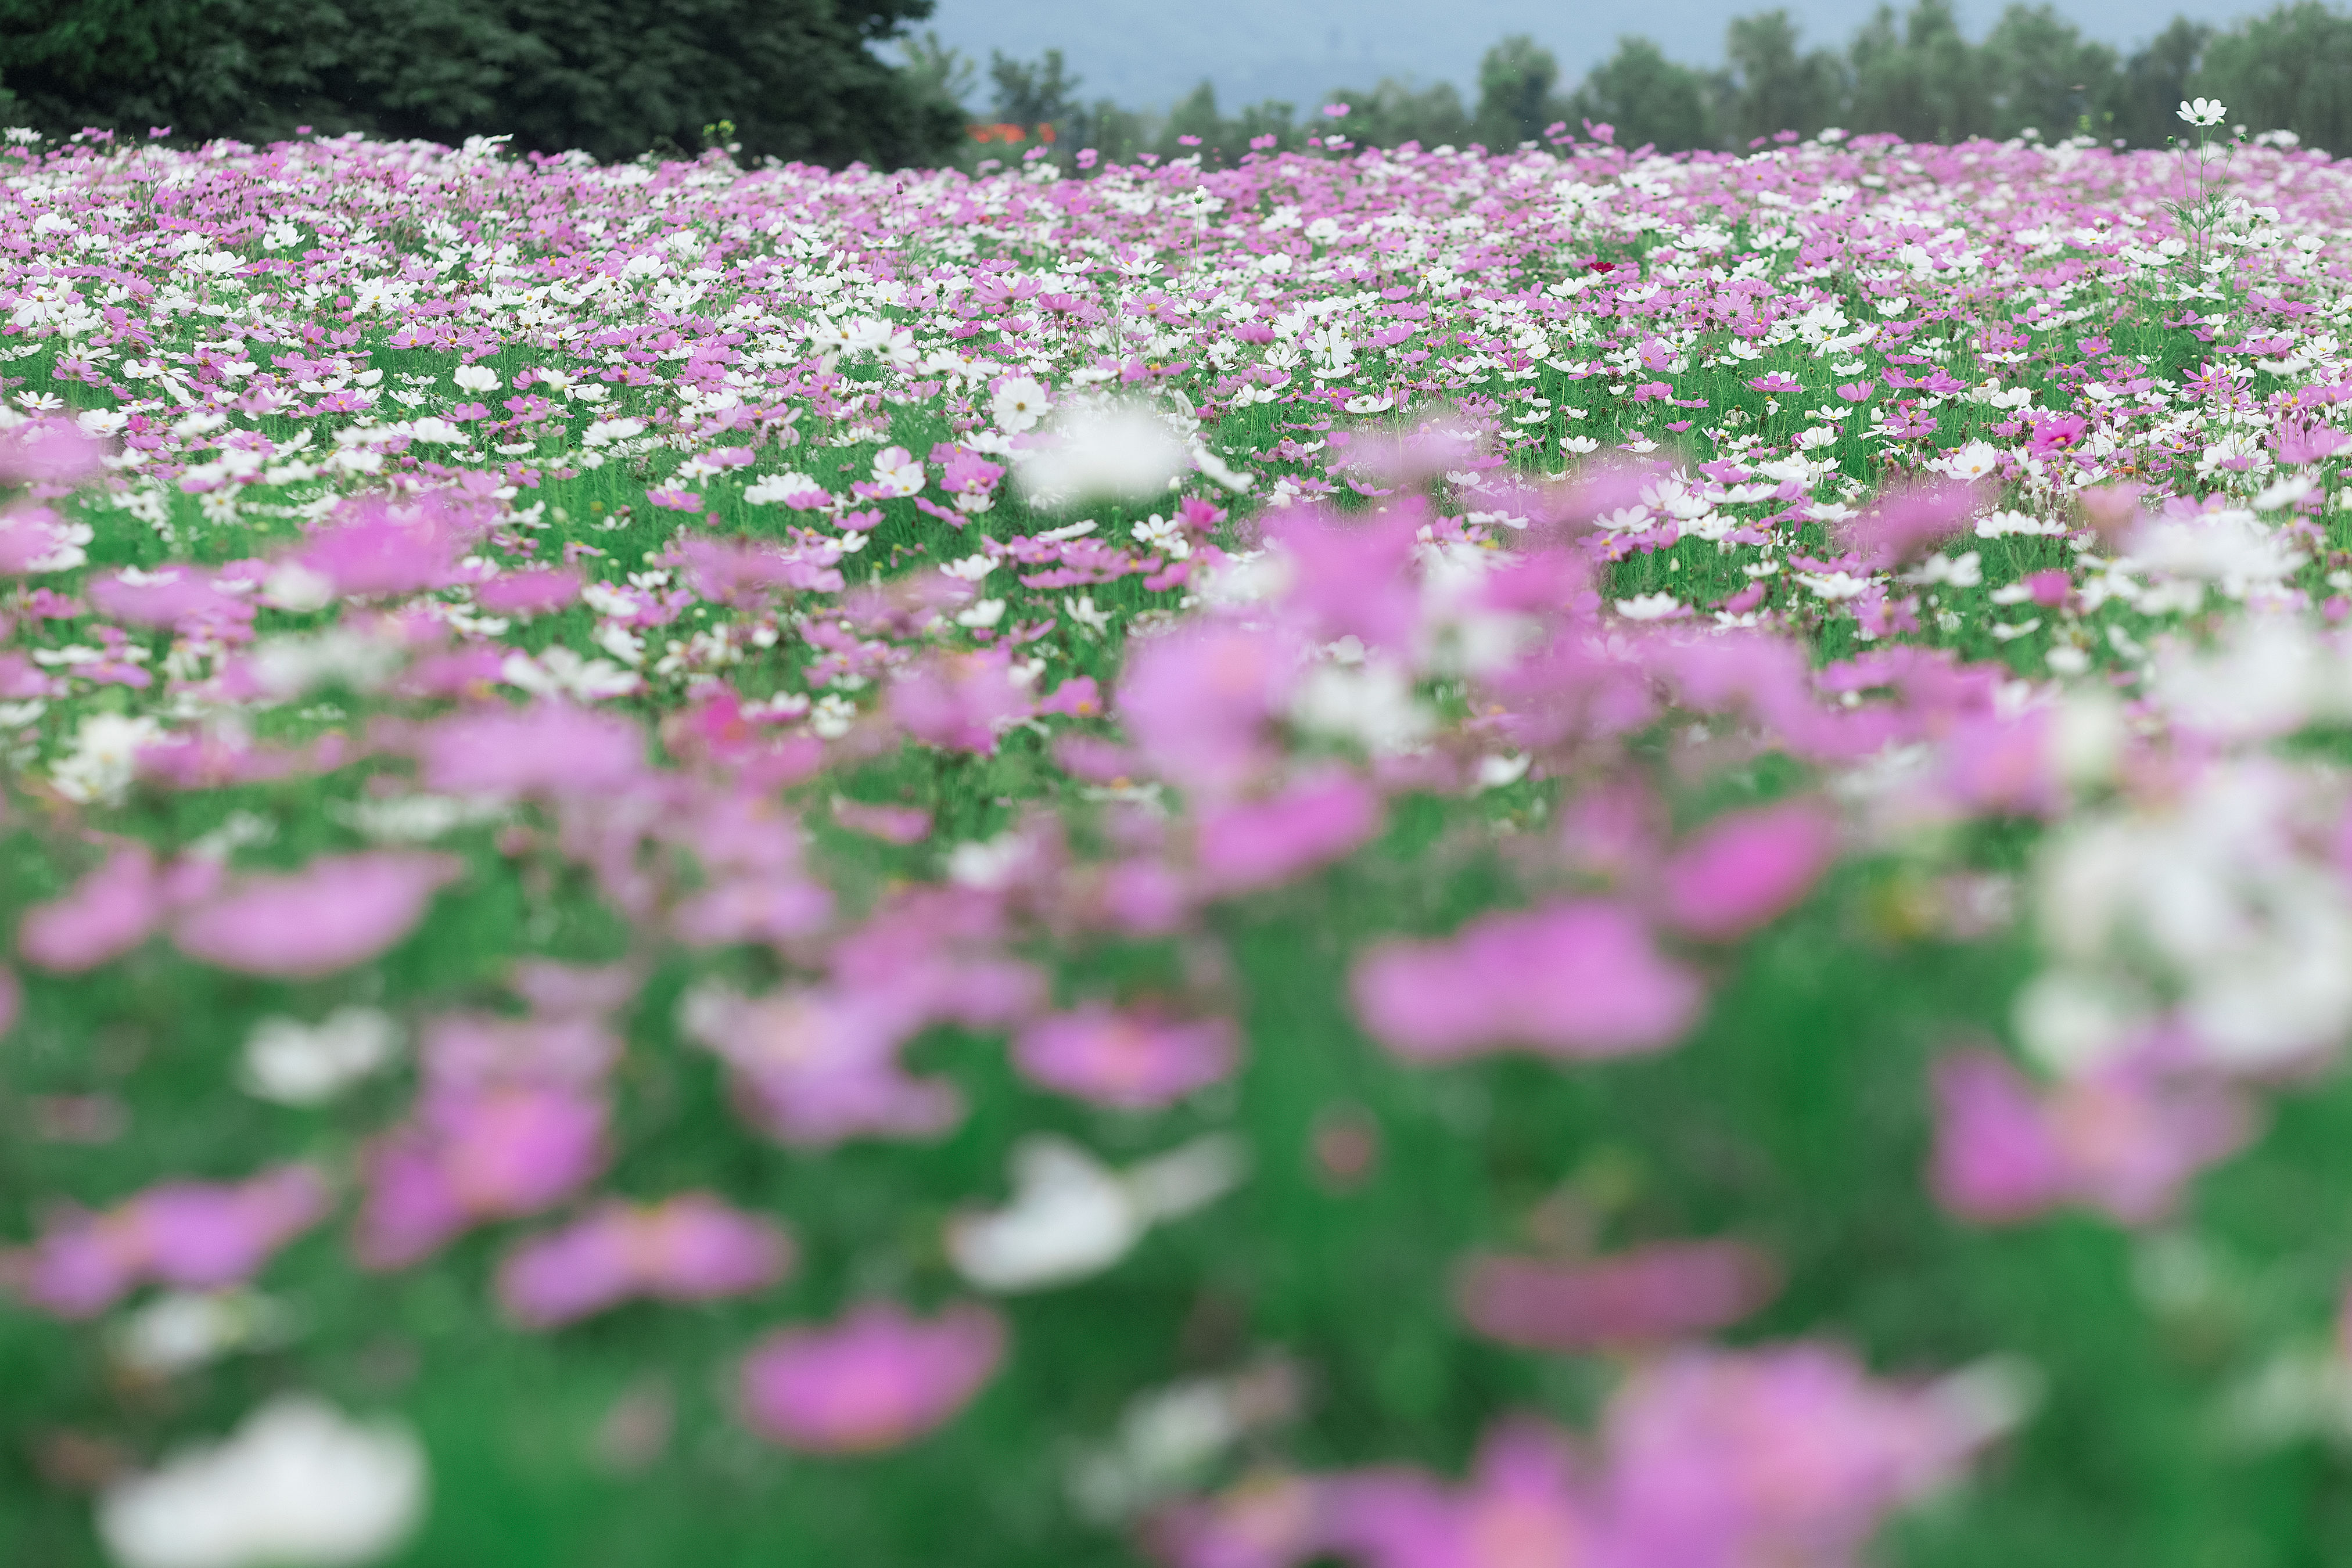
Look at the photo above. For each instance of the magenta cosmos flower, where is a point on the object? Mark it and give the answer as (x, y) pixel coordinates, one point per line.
(338, 910)
(1131, 1059)
(1575, 979)
(690, 1248)
(878, 1379)
(1747, 868)
(1664, 1291)
(197, 1236)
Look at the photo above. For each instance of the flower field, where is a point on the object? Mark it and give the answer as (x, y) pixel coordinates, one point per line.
(1421, 858)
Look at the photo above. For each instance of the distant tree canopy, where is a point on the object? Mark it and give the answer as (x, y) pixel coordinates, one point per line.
(1913, 72)
(797, 79)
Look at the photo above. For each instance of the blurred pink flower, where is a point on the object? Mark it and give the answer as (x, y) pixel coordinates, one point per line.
(471, 1157)
(197, 1236)
(878, 1378)
(689, 1248)
(960, 701)
(1581, 979)
(378, 548)
(35, 540)
(2122, 1141)
(1131, 1059)
(1719, 1459)
(1198, 704)
(1746, 868)
(547, 748)
(1259, 843)
(815, 1067)
(338, 910)
(1663, 1291)
(105, 914)
(535, 590)
(47, 452)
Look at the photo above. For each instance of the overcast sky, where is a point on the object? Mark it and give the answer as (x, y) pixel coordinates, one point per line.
(1147, 53)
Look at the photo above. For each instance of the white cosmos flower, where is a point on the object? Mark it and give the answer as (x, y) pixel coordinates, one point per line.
(2202, 112)
(475, 378)
(298, 1064)
(1123, 452)
(104, 759)
(296, 1484)
(1650, 607)
(1072, 1216)
(1018, 404)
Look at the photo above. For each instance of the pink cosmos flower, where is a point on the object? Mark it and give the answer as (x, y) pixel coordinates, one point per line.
(338, 910)
(1131, 1059)
(690, 1248)
(1581, 979)
(1726, 1460)
(891, 824)
(960, 702)
(1198, 704)
(376, 547)
(47, 452)
(878, 1379)
(35, 540)
(1528, 1501)
(533, 591)
(110, 910)
(197, 1236)
(2122, 1141)
(1260, 843)
(547, 748)
(472, 1157)
(815, 1067)
(1666, 1290)
(1746, 868)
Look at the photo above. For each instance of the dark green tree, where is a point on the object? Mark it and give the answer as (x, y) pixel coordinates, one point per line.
(799, 78)
(2288, 70)
(1043, 93)
(2039, 72)
(2154, 81)
(1394, 113)
(1922, 81)
(1516, 78)
(1649, 99)
(1770, 87)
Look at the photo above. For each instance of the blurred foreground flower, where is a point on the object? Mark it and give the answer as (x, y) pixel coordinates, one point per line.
(298, 1484)
(1072, 1216)
(878, 1379)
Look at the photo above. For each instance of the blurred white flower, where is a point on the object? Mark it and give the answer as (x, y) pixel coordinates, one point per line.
(1122, 452)
(298, 1484)
(104, 759)
(298, 1064)
(183, 1329)
(1072, 1216)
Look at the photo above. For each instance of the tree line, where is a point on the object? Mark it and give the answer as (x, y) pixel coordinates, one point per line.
(829, 81)
(1915, 74)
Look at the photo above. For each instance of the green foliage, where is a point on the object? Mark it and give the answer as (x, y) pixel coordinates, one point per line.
(1393, 113)
(1921, 80)
(613, 78)
(2044, 76)
(2291, 69)
(2155, 81)
(1771, 87)
(1649, 99)
(1515, 96)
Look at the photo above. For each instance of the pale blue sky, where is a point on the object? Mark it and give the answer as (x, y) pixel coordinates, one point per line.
(1148, 53)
